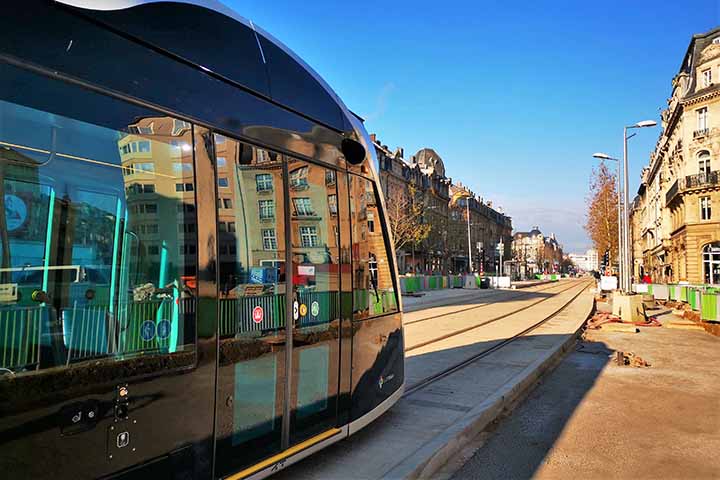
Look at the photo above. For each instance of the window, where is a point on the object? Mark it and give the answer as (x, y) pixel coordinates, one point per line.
(231, 227)
(263, 182)
(179, 126)
(184, 187)
(225, 203)
(223, 182)
(181, 168)
(153, 250)
(146, 167)
(704, 162)
(221, 162)
(303, 207)
(148, 229)
(702, 118)
(308, 236)
(269, 240)
(332, 204)
(711, 263)
(222, 227)
(220, 139)
(329, 177)
(705, 208)
(267, 209)
(187, 249)
(706, 77)
(187, 227)
(148, 130)
(298, 178)
(372, 268)
(144, 146)
(186, 208)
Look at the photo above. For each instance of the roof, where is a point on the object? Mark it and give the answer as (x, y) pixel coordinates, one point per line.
(228, 46)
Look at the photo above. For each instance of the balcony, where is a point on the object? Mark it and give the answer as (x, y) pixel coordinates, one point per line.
(703, 132)
(690, 182)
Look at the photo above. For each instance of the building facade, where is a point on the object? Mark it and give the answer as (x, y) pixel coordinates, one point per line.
(534, 253)
(585, 262)
(676, 214)
(422, 181)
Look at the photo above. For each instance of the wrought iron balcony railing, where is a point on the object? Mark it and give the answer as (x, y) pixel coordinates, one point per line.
(699, 180)
(703, 132)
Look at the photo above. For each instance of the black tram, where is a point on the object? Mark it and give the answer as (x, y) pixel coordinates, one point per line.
(196, 277)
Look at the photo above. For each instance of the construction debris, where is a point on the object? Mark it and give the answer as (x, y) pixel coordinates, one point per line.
(610, 322)
(629, 358)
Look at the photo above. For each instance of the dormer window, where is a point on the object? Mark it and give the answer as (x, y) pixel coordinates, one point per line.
(706, 78)
(716, 41)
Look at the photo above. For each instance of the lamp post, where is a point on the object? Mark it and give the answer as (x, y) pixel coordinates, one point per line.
(621, 256)
(626, 217)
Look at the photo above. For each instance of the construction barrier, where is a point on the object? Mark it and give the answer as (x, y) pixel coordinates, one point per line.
(701, 298)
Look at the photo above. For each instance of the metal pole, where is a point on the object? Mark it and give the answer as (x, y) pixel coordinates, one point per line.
(626, 226)
(467, 205)
(619, 224)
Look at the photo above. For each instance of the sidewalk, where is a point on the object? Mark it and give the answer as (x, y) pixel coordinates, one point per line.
(422, 431)
(592, 418)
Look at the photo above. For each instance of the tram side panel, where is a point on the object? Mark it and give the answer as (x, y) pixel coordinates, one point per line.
(378, 346)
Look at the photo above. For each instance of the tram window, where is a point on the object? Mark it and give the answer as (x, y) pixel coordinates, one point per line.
(251, 241)
(374, 291)
(83, 275)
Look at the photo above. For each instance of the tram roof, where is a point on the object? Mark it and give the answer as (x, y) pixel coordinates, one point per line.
(228, 45)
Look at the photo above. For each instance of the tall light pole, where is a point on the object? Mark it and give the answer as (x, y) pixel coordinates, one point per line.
(621, 256)
(626, 216)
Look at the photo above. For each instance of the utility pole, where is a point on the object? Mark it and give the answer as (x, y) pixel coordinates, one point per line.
(467, 206)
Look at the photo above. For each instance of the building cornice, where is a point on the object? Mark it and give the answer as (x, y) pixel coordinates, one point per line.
(703, 96)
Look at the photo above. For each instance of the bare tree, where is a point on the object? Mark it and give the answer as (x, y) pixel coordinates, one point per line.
(405, 215)
(602, 214)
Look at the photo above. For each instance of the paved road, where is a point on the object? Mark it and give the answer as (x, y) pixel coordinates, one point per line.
(593, 419)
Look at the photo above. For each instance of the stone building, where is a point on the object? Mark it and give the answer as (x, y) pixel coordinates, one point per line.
(445, 249)
(533, 252)
(676, 214)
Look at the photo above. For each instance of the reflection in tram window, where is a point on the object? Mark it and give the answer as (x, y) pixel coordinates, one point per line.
(251, 248)
(374, 293)
(89, 269)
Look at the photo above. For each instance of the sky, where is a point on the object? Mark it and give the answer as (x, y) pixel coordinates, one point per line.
(514, 96)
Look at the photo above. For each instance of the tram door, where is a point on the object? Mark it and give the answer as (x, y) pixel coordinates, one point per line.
(274, 394)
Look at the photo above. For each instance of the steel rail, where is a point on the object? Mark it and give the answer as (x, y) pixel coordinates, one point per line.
(459, 366)
(486, 322)
(518, 294)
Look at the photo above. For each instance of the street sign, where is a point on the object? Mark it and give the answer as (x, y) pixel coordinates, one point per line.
(303, 309)
(163, 329)
(315, 308)
(296, 310)
(258, 314)
(147, 330)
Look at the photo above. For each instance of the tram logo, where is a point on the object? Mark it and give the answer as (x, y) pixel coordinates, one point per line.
(382, 381)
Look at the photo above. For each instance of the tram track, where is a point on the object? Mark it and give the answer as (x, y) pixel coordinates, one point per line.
(518, 294)
(430, 379)
(484, 323)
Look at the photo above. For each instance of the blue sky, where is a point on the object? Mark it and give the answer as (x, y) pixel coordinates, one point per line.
(515, 96)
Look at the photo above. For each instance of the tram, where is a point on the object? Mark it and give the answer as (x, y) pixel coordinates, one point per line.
(196, 272)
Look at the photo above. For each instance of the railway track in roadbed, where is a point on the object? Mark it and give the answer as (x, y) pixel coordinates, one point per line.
(517, 294)
(467, 361)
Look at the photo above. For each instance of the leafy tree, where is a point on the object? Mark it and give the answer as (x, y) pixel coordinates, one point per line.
(602, 215)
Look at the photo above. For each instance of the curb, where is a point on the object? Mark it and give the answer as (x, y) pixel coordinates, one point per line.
(431, 457)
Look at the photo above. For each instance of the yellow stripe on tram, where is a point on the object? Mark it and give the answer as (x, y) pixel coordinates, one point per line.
(282, 455)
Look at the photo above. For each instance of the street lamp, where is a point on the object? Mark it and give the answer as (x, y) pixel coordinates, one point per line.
(626, 217)
(603, 156)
